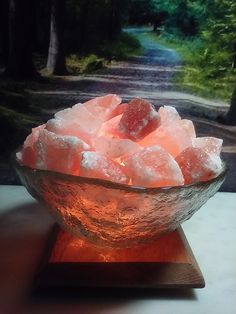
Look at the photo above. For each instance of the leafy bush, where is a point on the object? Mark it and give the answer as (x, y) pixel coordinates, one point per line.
(125, 46)
(207, 70)
(84, 64)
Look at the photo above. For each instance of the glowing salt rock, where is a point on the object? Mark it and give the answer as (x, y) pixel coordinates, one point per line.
(197, 165)
(103, 107)
(86, 129)
(119, 110)
(28, 153)
(211, 145)
(168, 114)
(59, 153)
(115, 147)
(153, 167)
(75, 121)
(81, 115)
(96, 165)
(174, 138)
(110, 128)
(64, 114)
(138, 120)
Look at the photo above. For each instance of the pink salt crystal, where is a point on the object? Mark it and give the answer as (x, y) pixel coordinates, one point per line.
(96, 165)
(119, 110)
(103, 107)
(174, 137)
(110, 128)
(84, 117)
(64, 114)
(211, 145)
(138, 120)
(59, 153)
(168, 114)
(197, 165)
(28, 154)
(115, 147)
(75, 122)
(153, 167)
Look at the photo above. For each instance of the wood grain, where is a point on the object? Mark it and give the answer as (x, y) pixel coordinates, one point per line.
(166, 263)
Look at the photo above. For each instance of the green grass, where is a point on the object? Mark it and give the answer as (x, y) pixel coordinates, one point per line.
(206, 72)
(77, 64)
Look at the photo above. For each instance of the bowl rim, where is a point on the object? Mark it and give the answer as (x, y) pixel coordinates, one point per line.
(114, 185)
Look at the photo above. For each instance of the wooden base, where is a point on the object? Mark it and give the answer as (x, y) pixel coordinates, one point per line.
(166, 263)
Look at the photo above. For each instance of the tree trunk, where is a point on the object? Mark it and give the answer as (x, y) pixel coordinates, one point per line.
(4, 34)
(56, 63)
(114, 28)
(231, 115)
(234, 55)
(85, 6)
(21, 25)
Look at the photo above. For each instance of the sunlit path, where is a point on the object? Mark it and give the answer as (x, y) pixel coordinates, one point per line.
(148, 76)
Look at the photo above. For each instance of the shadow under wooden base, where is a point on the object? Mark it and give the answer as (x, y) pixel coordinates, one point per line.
(166, 263)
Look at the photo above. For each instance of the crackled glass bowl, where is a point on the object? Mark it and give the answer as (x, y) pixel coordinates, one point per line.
(114, 215)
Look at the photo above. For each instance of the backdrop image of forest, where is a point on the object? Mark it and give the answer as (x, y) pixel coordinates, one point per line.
(56, 53)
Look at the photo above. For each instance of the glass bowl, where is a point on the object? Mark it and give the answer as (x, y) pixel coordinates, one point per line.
(114, 215)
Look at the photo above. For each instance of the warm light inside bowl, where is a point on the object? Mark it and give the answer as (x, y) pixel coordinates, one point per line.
(114, 215)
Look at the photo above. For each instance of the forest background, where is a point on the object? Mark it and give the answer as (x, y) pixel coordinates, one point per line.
(43, 40)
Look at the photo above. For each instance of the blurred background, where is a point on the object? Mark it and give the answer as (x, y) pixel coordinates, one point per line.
(56, 53)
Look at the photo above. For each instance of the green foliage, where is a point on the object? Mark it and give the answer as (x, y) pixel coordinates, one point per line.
(124, 47)
(182, 17)
(219, 32)
(203, 73)
(85, 64)
(208, 52)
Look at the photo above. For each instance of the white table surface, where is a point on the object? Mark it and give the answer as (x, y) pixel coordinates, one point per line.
(211, 233)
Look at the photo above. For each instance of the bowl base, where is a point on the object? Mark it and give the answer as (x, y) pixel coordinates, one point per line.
(166, 263)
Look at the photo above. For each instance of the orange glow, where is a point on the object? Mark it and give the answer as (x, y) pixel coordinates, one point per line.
(71, 249)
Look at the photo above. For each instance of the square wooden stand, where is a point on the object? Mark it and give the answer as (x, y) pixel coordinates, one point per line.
(166, 263)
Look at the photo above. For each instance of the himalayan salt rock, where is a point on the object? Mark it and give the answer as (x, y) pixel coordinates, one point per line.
(110, 128)
(80, 114)
(153, 167)
(174, 138)
(115, 147)
(75, 121)
(119, 110)
(84, 126)
(197, 165)
(138, 120)
(168, 114)
(64, 114)
(59, 153)
(211, 145)
(28, 153)
(103, 107)
(96, 165)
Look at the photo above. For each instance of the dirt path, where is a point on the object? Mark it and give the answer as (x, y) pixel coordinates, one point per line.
(149, 76)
